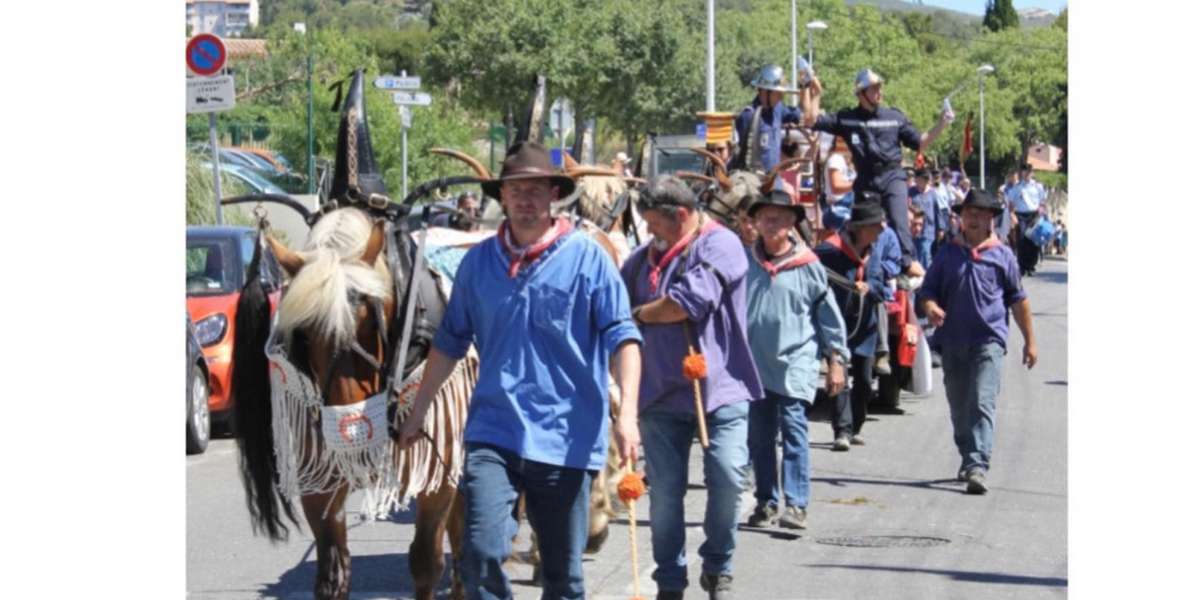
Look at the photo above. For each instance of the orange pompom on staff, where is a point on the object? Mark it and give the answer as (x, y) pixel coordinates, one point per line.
(696, 368)
(629, 490)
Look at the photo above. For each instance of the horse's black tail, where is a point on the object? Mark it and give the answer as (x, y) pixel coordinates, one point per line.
(251, 391)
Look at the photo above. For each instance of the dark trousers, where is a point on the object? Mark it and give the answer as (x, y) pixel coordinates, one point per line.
(1027, 251)
(850, 406)
(895, 206)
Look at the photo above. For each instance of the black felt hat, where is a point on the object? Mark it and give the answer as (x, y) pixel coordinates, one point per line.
(979, 199)
(867, 209)
(779, 198)
(529, 160)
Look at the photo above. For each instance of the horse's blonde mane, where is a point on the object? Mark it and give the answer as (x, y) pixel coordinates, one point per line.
(318, 296)
(597, 195)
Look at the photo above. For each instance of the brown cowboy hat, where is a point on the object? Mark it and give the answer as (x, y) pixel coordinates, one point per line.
(529, 160)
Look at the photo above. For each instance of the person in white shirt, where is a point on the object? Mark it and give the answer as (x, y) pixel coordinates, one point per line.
(1026, 198)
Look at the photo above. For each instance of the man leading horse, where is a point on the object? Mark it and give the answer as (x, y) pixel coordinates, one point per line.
(549, 313)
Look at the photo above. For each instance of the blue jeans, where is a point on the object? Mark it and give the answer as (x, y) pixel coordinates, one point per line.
(972, 378)
(667, 438)
(774, 414)
(556, 501)
(923, 250)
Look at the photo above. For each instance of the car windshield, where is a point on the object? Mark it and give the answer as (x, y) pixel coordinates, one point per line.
(672, 160)
(211, 267)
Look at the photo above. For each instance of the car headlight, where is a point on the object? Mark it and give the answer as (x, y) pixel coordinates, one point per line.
(211, 329)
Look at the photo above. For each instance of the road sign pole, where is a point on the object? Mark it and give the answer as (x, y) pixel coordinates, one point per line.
(404, 154)
(312, 183)
(216, 161)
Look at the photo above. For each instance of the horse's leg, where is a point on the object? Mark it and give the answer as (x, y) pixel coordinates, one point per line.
(425, 559)
(329, 531)
(455, 529)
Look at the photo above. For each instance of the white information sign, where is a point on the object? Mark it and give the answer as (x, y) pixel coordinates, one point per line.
(413, 98)
(396, 82)
(210, 94)
(405, 117)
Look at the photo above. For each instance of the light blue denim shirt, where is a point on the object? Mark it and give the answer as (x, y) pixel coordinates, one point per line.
(544, 340)
(792, 321)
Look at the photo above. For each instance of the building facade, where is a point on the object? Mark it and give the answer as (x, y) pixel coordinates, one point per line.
(225, 18)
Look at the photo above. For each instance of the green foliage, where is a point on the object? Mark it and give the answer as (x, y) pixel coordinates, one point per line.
(1000, 15)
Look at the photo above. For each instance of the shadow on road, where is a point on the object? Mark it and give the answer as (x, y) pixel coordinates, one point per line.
(1051, 276)
(368, 572)
(943, 485)
(971, 576)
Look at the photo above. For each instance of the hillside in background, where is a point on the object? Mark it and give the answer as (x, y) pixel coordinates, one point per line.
(1030, 17)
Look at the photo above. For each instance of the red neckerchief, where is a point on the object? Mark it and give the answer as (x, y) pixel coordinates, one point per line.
(836, 241)
(658, 264)
(524, 255)
(798, 256)
(977, 251)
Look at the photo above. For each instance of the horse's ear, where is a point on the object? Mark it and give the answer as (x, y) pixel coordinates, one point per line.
(374, 244)
(290, 261)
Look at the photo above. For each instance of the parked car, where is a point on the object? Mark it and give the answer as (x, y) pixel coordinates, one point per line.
(199, 423)
(251, 179)
(217, 258)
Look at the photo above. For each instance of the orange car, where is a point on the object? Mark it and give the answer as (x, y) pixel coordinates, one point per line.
(217, 258)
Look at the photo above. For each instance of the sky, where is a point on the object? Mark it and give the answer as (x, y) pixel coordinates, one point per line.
(975, 7)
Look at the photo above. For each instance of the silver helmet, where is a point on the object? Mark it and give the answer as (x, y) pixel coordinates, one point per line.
(865, 79)
(770, 78)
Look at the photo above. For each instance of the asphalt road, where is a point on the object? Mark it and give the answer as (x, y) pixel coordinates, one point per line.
(887, 520)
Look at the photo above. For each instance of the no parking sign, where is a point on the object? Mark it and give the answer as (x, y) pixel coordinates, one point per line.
(206, 54)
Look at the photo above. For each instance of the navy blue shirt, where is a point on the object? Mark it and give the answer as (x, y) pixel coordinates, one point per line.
(861, 327)
(874, 139)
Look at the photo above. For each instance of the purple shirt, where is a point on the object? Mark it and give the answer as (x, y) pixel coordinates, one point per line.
(976, 295)
(711, 288)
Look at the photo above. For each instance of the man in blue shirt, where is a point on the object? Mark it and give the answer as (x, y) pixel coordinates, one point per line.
(847, 253)
(935, 226)
(760, 125)
(970, 287)
(546, 308)
(875, 134)
(792, 323)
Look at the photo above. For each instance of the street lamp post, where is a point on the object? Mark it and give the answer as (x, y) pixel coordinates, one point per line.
(811, 27)
(983, 71)
(303, 29)
(796, 67)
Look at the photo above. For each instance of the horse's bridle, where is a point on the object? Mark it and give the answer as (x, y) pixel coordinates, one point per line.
(376, 312)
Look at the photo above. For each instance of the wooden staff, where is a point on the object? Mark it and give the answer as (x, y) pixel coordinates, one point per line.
(629, 490)
(696, 368)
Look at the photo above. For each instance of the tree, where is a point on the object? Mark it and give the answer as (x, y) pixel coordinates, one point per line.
(1000, 14)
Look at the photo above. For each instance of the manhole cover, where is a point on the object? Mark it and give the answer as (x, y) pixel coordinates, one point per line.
(884, 541)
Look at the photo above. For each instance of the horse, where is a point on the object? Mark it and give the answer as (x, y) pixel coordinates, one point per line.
(335, 333)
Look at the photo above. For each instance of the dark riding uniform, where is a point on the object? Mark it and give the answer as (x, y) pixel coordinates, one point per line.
(763, 139)
(874, 139)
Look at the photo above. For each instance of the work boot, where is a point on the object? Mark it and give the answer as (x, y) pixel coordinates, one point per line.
(794, 517)
(841, 443)
(975, 482)
(764, 515)
(719, 587)
(670, 595)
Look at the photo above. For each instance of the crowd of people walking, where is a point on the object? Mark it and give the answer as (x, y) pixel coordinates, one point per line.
(788, 306)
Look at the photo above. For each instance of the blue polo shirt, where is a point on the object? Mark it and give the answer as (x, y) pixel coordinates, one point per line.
(544, 339)
(976, 295)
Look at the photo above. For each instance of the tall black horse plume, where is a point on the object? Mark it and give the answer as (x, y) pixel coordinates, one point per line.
(355, 174)
(251, 393)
